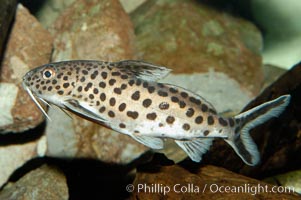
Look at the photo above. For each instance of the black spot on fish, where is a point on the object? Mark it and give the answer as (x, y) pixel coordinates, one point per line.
(88, 86)
(146, 103)
(91, 96)
(111, 114)
(65, 85)
(145, 84)
(173, 90)
(162, 93)
(222, 121)
(115, 73)
(132, 114)
(164, 106)
(212, 111)
(112, 81)
(151, 89)
(190, 112)
(93, 76)
(182, 104)
(122, 125)
(136, 95)
(204, 108)
(199, 120)
(206, 132)
(112, 101)
(174, 99)
(60, 92)
(104, 75)
(194, 100)
(95, 91)
(186, 127)
(102, 84)
(138, 82)
(85, 72)
(124, 76)
(82, 79)
(122, 107)
(151, 116)
(184, 94)
(117, 90)
(131, 82)
(170, 119)
(123, 86)
(65, 78)
(102, 96)
(210, 120)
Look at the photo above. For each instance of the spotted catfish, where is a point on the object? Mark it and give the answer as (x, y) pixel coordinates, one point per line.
(126, 97)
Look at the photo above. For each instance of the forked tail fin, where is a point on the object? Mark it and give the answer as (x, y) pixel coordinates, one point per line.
(241, 141)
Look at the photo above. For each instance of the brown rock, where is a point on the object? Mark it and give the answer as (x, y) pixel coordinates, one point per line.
(45, 182)
(191, 37)
(29, 45)
(208, 182)
(278, 140)
(98, 30)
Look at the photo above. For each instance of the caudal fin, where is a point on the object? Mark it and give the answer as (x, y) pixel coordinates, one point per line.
(241, 141)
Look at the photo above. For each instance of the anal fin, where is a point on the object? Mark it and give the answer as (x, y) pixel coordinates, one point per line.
(151, 142)
(196, 147)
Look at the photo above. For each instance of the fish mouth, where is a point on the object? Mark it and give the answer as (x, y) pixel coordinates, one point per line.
(35, 100)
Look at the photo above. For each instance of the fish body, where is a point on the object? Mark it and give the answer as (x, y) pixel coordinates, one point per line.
(127, 97)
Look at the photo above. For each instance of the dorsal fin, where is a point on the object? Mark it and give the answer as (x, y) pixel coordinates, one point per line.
(143, 70)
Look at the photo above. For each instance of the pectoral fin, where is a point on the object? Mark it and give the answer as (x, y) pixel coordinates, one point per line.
(81, 109)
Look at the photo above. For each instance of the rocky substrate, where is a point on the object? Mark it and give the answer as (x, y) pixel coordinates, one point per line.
(210, 51)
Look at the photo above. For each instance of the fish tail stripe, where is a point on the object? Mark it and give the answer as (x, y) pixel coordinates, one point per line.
(242, 142)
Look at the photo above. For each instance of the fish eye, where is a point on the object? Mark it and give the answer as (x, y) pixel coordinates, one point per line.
(48, 73)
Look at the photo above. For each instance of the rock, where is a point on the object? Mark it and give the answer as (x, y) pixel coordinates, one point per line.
(188, 36)
(129, 6)
(78, 138)
(278, 140)
(28, 46)
(7, 10)
(50, 10)
(207, 182)
(13, 156)
(91, 30)
(290, 179)
(45, 182)
(281, 28)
